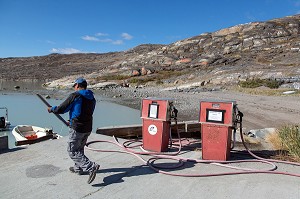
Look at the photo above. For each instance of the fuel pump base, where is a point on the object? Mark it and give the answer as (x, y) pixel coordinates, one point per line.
(216, 142)
(156, 135)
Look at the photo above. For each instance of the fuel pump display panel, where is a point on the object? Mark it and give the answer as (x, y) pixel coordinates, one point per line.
(215, 116)
(153, 111)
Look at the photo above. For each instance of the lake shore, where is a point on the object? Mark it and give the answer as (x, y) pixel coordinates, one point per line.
(259, 111)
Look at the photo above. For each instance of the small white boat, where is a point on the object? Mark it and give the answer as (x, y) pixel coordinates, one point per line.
(28, 134)
(4, 123)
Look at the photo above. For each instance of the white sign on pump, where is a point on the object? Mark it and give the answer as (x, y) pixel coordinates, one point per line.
(215, 116)
(152, 129)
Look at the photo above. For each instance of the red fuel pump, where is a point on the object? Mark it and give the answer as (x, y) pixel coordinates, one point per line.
(217, 120)
(156, 115)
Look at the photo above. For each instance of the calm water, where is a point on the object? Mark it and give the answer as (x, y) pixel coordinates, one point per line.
(29, 109)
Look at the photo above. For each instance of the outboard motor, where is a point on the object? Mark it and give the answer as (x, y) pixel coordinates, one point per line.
(2, 122)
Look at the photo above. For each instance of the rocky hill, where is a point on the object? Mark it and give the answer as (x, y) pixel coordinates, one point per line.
(263, 50)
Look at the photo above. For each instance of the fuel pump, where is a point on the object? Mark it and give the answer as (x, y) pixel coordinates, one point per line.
(156, 116)
(218, 122)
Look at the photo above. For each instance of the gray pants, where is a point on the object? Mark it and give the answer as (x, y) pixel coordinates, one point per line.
(75, 149)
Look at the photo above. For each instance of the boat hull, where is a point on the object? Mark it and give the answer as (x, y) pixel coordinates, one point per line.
(28, 134)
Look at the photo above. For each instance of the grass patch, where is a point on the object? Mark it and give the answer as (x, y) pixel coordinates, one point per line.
(275, 140)
(157, 77)
(254, 83)
(267, 92)
(287, 141)
(142, 80)
(112, 77)
(165, 74)
(290, 138)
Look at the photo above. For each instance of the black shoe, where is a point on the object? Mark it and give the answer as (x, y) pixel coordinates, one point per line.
(80, 172)
(93, 174)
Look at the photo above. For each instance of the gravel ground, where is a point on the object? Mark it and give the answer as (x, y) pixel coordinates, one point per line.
(259, 111)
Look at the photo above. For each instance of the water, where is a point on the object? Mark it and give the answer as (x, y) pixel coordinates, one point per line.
(29, 109)
(23, 85)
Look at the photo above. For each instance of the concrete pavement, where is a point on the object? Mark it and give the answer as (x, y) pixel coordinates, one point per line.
(41, 171)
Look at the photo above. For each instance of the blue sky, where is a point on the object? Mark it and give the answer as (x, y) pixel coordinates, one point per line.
(41, 27)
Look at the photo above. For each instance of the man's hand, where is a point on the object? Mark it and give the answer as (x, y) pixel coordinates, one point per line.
(49, 109)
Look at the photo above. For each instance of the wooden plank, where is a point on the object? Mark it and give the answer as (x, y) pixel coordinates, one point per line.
(121, 131)
(180, 126)
(186, 129)
(193, 126)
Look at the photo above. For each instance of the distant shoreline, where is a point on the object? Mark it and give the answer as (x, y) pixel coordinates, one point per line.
(259, 111)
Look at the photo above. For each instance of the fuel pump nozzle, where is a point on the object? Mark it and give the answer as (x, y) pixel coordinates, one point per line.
(238, 120)
(173, 115)
(239, 116)
(173, 111)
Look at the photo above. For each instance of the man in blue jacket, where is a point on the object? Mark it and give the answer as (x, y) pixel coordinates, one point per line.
(80, 105)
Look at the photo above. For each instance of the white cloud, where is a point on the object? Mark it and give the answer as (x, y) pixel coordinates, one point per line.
(100, 34)
(117, 42)
(65, 50)
(126, 36)
(50, 42)
(106, 40)
(89, 38)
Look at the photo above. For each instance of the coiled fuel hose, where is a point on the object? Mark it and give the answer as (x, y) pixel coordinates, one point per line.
(130, 145)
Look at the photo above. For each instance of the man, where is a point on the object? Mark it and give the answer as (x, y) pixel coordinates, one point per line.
(80, 105)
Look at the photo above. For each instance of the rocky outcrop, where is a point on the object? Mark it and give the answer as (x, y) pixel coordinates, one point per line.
(259, 49)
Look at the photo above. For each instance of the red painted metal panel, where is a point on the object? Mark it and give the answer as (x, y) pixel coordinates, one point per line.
(226, 108)
(216, 142)
(156, 135)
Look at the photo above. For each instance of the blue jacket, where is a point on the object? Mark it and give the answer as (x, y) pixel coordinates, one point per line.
(80, 105)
